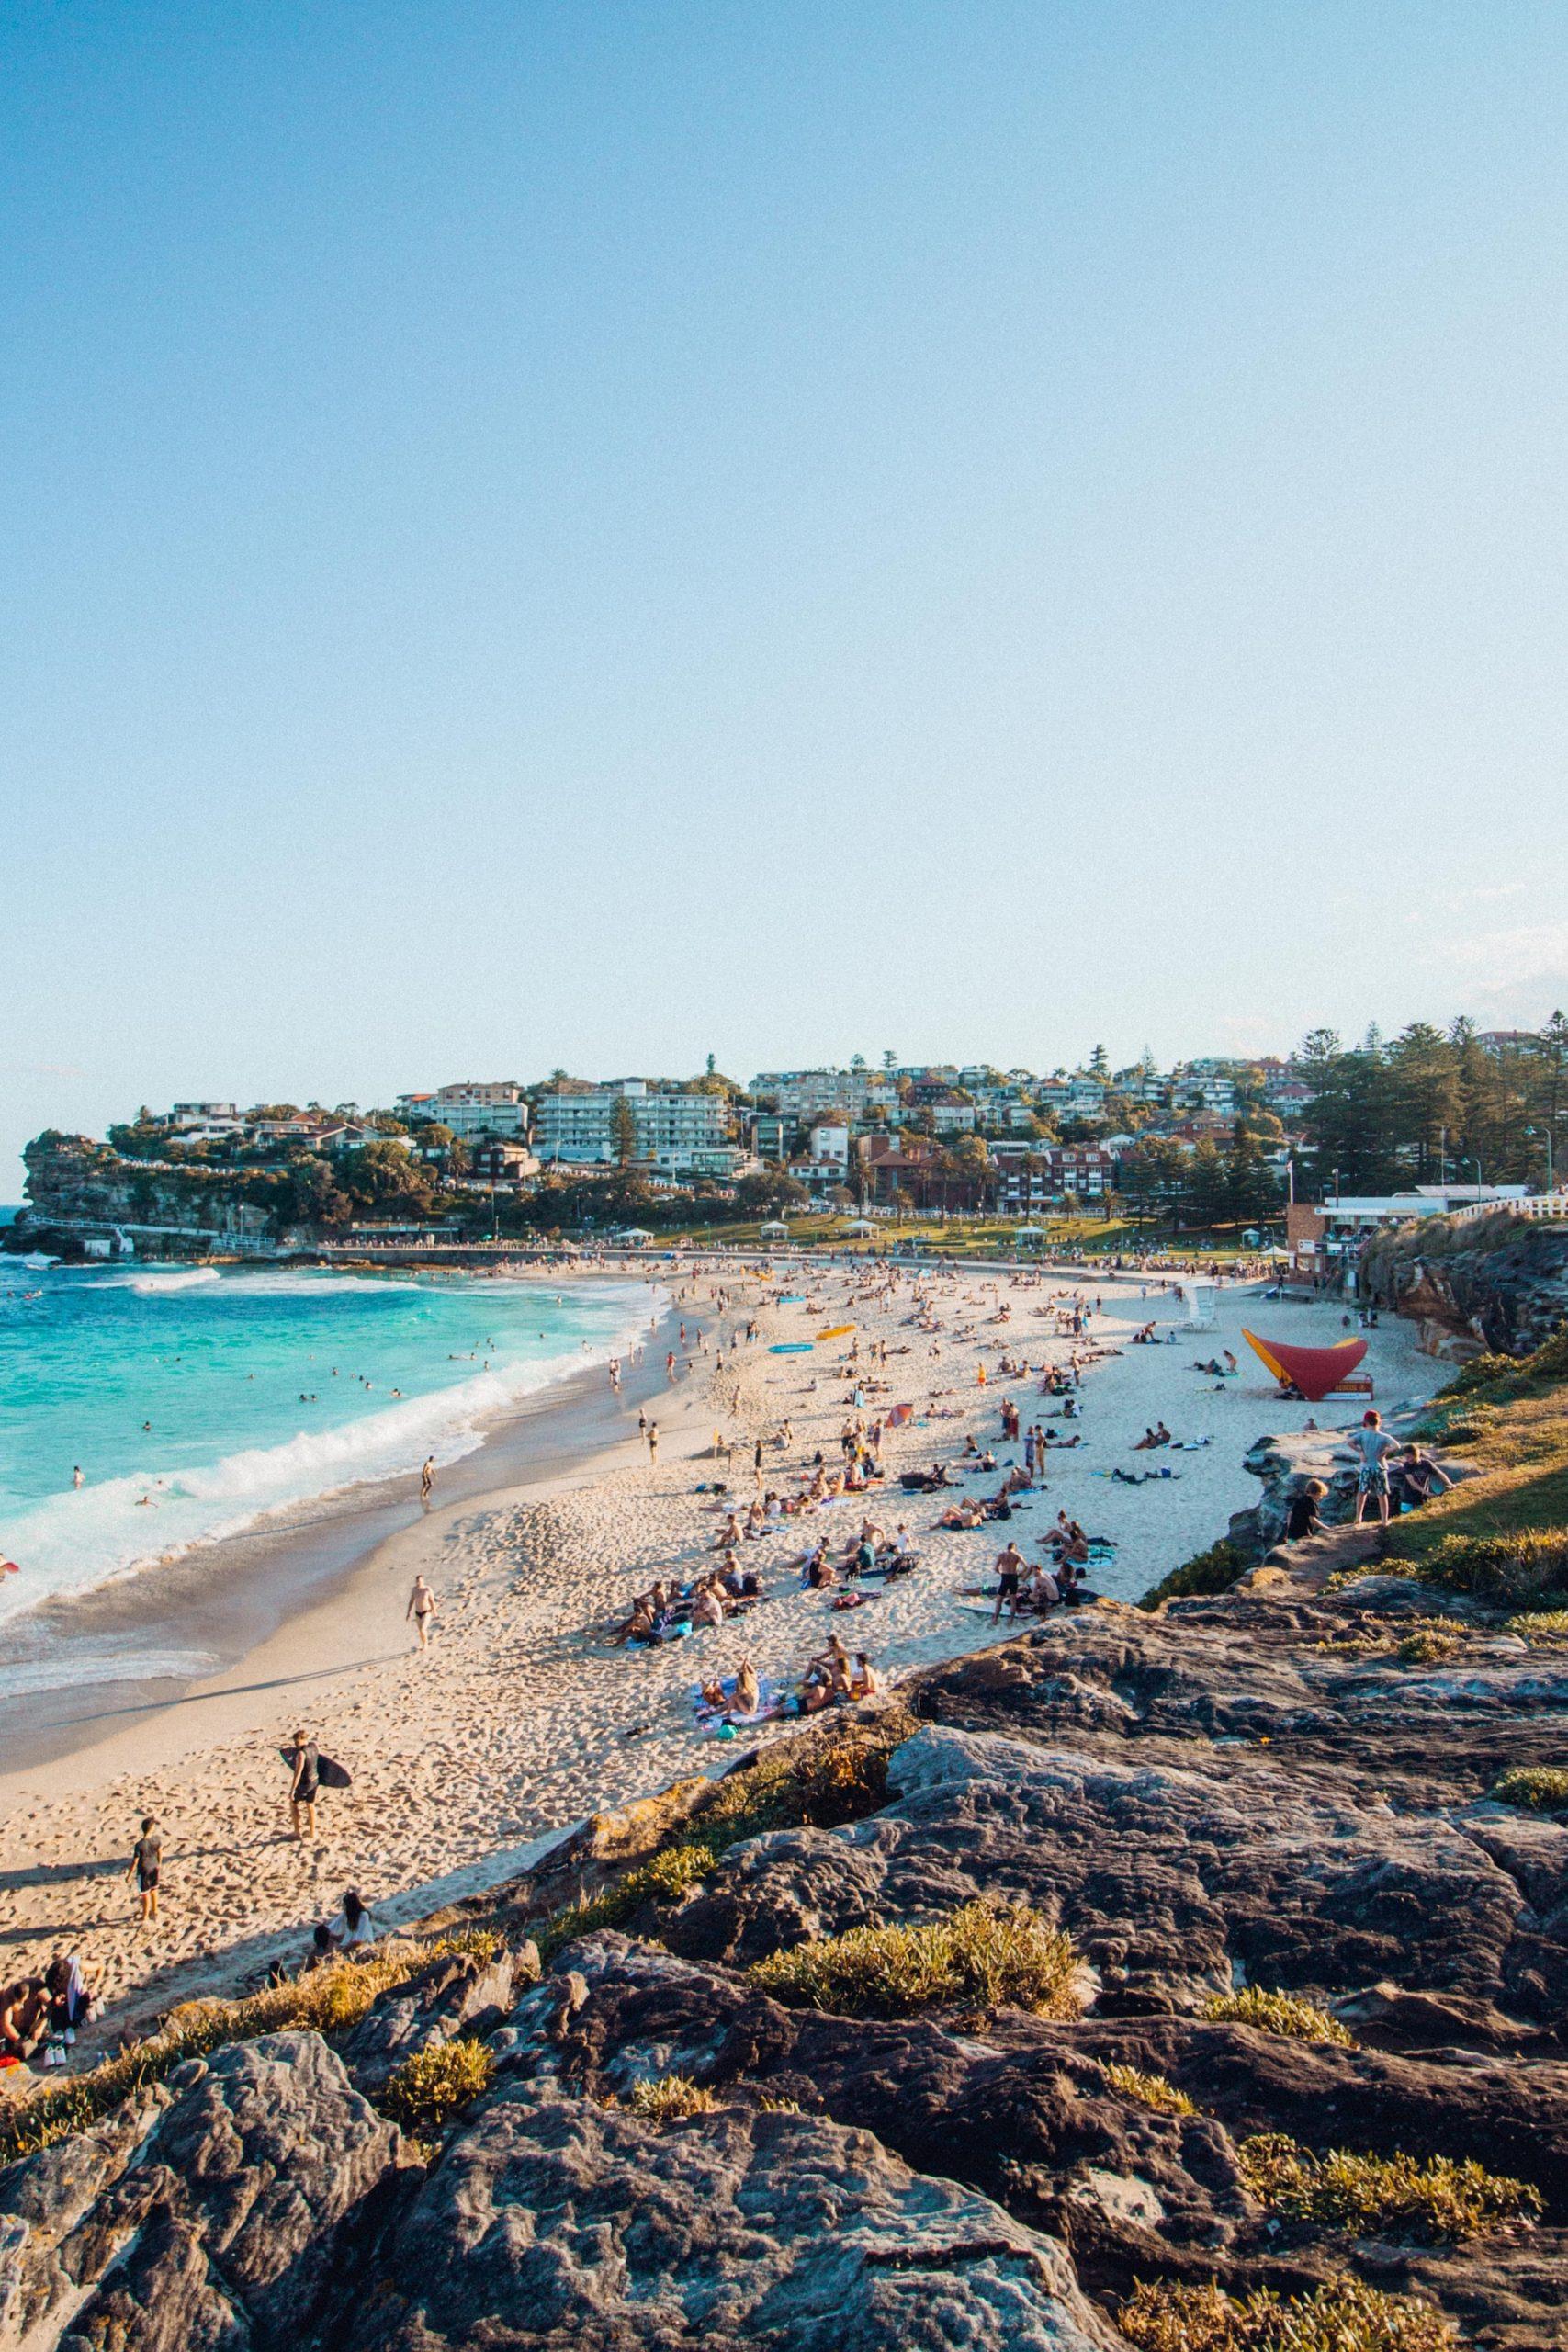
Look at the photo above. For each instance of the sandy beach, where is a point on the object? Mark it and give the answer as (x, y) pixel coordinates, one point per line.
(521, 1716)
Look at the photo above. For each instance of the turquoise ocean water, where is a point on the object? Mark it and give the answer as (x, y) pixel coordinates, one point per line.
(261, 1388)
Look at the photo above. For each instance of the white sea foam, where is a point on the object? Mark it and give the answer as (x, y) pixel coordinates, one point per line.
(73, 1540)
(149, 1284)
(68, 1666)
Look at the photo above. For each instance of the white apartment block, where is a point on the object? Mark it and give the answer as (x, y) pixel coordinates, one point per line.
(674, 1131)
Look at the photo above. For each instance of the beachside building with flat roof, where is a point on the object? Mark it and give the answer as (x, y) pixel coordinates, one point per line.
(675, 1131)
(490, 1106)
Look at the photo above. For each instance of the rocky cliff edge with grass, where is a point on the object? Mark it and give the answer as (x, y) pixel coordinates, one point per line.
(1193, 1979)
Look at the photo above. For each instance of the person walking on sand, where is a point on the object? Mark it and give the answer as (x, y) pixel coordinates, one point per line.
(652, 1444)
(146, 1862)
(422, 1609)
(306, 1786)
(427, 1478)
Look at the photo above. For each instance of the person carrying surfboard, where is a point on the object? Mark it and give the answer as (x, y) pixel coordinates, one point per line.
(306, 1786)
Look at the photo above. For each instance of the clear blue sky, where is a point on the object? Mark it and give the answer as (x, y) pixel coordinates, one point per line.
(598, 534)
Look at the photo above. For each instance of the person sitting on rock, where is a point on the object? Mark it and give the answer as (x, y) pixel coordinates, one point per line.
(1301, 1512)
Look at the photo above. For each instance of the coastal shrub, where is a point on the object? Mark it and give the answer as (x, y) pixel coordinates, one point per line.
(1512, 1568)
(1283, 2013)
(669, 2099)
(1368, 2195)
(780, 2106)
(328, 1999)
(1163, 2315)
(659, 1880)
(822, 1783)
(1214, 1571)
(1536, 1788)
(436, 2084)
(1547, 1625)
(1149, 2090)
(985, 1956)
(1429, 1645)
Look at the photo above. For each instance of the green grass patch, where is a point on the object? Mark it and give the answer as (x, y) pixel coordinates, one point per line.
(669, 2099)
(1502, 1535)
(1149, 2090)
(1163, 2315)
(436, 2084)
(1286, 2014)
(1214, 1571)
(1372, 2196)
(328, 2000)
(1535, 1788)
(978, 1959)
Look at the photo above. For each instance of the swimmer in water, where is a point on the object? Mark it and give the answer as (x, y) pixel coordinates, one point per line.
(76, 1478)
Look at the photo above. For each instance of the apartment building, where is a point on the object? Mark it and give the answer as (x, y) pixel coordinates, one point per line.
(472, 1107)
(803, 1095)
(676, 1132)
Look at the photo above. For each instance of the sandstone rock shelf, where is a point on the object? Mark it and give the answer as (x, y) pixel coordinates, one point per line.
(1217, 1795)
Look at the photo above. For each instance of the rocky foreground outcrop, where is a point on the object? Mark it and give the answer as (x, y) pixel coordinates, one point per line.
(1222, 1794)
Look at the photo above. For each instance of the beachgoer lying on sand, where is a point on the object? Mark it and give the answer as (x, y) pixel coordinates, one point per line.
(967, 1514)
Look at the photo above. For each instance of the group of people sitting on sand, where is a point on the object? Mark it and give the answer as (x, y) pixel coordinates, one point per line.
(834, 1676)
(1025, 1589)
(39, 2014)
(668, 1612)
(872, 1552)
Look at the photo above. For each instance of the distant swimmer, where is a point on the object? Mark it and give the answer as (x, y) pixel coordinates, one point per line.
(146, 1425)
(76, 1478)
(427, 1478)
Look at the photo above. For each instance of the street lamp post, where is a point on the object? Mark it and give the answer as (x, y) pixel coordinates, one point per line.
(1546, 1133)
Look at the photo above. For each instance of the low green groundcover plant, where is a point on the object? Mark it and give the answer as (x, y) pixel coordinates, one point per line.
(436, 2084)
(1212, 1571)
(1284, 2013)
(1342, 2316)
(1149, 2090)
(669, 2099)
(983, 1957)
(1548, 1625)
(790, 1785)
(1512, 1569)
(1372, 2196)
(329, 2000)
(1538, 1788)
